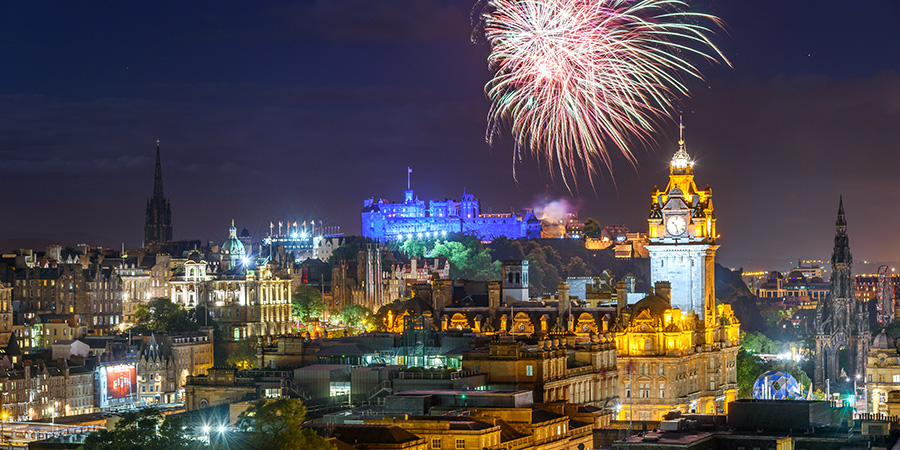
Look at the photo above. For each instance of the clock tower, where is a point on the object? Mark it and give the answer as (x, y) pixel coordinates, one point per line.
(682, 234)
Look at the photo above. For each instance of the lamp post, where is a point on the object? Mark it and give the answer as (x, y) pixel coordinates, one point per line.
(3, 418)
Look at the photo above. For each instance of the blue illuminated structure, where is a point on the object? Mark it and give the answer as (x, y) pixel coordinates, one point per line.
(383, 220)
(777, 385)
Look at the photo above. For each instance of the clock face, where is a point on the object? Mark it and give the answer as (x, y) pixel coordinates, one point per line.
(676, 225)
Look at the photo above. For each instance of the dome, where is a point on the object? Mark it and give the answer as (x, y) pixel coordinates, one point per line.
(777, 385)
(245, 233)
(233, 246)
(796, 275)
(775, 275)
(883, 341)
(656, 304)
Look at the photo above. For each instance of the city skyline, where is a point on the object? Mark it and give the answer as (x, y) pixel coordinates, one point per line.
(256, 117)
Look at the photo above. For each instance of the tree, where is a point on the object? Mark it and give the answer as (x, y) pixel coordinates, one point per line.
(277, 424)
(755, 342)
(749, 367)
(244, 355)
(592, 228)
(161, 315)
(468, 258)
(307, 302)
(146, 429)
(576, 267)
(543, 276)
(414, 248)
(356, 316)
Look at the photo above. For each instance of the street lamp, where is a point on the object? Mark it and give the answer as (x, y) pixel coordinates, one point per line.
(3, 416)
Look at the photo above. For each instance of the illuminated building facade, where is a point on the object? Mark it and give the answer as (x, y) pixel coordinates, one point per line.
(383, 220)
(677, 350)
(882, 374)
(882, 287)
(246, 303)
(807, 291)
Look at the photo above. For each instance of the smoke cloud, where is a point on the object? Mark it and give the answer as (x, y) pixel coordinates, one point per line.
(555, 210)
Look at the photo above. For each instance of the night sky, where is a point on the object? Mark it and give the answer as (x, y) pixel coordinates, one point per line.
(271, 111)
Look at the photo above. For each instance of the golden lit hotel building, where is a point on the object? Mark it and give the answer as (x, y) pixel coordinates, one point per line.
(677, 349)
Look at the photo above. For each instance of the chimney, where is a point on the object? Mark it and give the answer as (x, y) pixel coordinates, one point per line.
(664, 289)
(621, 297)
(563, 304)
(493, 297)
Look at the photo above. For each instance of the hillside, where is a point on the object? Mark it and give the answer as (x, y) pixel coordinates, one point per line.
(731, 289)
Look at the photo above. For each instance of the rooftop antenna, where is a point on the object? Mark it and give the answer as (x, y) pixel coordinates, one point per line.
(408, 172)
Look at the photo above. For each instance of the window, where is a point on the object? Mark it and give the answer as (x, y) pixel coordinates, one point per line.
(662, 390)
(627, 389)
(460, 444)
(645, 390)
(896, 378)
(529, 370)
(436, 443)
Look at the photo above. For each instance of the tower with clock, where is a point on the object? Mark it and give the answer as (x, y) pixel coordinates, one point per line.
(682, 234)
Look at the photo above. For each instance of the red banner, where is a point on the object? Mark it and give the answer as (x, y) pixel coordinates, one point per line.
(121, 381)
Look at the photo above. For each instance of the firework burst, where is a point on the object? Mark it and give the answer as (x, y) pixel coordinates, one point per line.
(573, 79)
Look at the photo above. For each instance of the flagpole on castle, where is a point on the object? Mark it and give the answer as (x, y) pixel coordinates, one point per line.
(408, 172)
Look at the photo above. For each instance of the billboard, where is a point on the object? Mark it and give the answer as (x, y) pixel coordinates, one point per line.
(121, 381)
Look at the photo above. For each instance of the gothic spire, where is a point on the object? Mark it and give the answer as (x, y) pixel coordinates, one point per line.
(841, 255)
(158, 225)
(841, 222)
(157, 177)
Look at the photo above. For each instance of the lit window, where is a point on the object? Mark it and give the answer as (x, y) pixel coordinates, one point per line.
(529, 371)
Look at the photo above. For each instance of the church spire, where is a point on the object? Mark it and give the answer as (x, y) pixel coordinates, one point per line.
(157, 177)
(158, 225)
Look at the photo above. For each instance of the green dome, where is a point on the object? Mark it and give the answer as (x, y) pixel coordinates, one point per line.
(233, 246)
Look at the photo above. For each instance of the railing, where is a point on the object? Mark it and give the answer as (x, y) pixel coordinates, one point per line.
(437, 375)
(879, 416)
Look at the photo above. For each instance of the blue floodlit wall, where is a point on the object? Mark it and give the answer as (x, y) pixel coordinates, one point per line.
(386, 221)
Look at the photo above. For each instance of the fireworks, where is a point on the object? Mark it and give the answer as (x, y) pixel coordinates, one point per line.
(573, 79)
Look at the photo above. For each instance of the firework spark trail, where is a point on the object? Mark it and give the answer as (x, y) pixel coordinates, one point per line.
(573, 79)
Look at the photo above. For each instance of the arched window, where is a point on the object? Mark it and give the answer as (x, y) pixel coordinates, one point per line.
(648, 344)
(192, 271)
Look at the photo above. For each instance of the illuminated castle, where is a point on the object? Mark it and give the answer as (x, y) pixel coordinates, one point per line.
(383, 220)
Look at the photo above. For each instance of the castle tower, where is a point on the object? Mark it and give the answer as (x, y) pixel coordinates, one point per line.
(158, 225)
(842, 322)
(682, 232)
